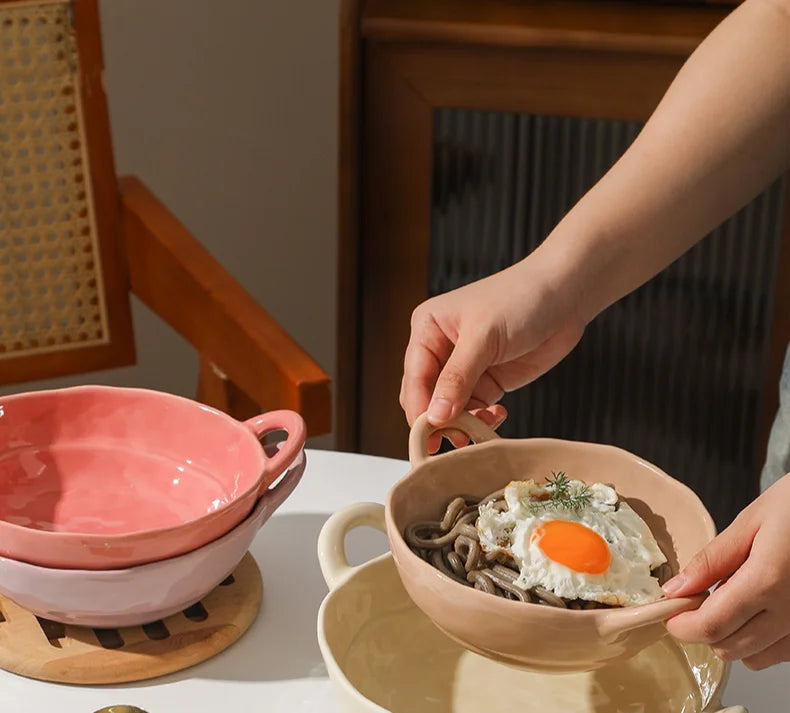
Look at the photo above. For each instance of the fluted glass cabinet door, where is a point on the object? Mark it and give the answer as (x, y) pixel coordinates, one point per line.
(480, 124)
(675, 371)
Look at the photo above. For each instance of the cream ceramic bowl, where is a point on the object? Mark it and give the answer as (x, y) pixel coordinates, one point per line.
(148, 592)
(539, 638)
(385, 656)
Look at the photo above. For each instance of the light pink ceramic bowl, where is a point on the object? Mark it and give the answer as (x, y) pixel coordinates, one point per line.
(97, 477)
(540, 638)
(148, 592)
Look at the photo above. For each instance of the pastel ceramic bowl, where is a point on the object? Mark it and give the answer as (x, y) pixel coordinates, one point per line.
(539, 638)
(148, 592)
(97, 477)
(384, 655)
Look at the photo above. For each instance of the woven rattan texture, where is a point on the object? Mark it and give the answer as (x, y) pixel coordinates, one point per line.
(51, 294)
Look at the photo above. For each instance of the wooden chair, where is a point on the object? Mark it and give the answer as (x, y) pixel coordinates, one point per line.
(75, 239)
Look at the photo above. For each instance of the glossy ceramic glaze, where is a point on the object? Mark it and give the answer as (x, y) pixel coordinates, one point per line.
(101, 478)
(383, 654)
(142, 594)
(536, 637)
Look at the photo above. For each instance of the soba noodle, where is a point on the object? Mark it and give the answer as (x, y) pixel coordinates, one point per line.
(452, 545)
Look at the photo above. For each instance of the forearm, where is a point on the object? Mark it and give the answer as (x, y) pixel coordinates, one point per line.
(719, 136)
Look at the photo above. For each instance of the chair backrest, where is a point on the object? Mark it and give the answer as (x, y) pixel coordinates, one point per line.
(64, 298)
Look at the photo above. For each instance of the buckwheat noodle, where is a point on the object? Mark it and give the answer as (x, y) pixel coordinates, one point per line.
(452, 546)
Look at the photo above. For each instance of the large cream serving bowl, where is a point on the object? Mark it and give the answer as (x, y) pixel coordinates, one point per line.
(385, 656)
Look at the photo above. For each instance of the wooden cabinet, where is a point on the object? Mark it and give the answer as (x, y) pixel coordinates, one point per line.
(467, 129)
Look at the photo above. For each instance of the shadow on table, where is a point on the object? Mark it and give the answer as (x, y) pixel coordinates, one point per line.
(281, 644)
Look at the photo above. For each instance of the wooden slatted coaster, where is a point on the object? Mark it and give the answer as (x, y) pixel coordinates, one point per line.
(48, 651)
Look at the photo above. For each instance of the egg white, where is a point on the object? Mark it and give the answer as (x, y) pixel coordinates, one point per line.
(633, 549)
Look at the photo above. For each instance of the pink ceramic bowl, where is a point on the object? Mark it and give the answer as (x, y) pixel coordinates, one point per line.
(143, 594)
(540, 638)
(98, 477)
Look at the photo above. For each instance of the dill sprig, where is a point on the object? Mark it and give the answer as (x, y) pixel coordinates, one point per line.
(561, 495)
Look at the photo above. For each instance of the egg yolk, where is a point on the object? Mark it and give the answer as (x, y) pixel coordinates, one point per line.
(573, 545)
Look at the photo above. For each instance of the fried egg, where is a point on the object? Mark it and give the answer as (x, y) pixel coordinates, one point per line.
(598, 550)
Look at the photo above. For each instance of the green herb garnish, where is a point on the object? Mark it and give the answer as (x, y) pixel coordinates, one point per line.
(561, 495)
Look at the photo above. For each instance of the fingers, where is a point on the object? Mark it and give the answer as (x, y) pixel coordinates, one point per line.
(716, 561)
(733, 603)
(434, 442)
(746, 615)
(723, 613)
(422, 365)
(493, 416)
(428, 349)
(485, 392)
(760, 632)
(457, 380)
(482, 404)
(776, 653)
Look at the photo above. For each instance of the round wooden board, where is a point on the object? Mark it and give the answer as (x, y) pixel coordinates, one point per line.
(67, 654)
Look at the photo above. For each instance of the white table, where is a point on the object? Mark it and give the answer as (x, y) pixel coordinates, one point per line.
(276, 667)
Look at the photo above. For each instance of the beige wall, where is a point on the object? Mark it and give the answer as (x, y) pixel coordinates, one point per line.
(227, 110)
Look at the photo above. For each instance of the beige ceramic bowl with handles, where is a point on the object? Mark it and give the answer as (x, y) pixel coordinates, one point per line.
(384, 655)
(530, 636)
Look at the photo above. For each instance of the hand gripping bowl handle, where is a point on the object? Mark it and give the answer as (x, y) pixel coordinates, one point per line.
(282, 420)
(422, 429)
(332, 539)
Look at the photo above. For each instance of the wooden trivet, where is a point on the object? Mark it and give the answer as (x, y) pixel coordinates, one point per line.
(41, 649)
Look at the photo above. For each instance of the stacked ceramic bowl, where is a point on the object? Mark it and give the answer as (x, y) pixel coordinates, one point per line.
(119, 507)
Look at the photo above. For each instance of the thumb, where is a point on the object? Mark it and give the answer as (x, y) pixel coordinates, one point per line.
(457, 380)
(715, 562)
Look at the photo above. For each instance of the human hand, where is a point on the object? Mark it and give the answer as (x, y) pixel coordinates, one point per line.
(748, 615)
(470, 346)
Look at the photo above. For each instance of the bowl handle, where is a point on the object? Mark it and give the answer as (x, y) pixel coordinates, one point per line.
(619, 621)
(422, 429)
(278, 494)
(332, 539)
(282, 420)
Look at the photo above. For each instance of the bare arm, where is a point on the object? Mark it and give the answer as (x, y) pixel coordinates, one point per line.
(718, 137)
